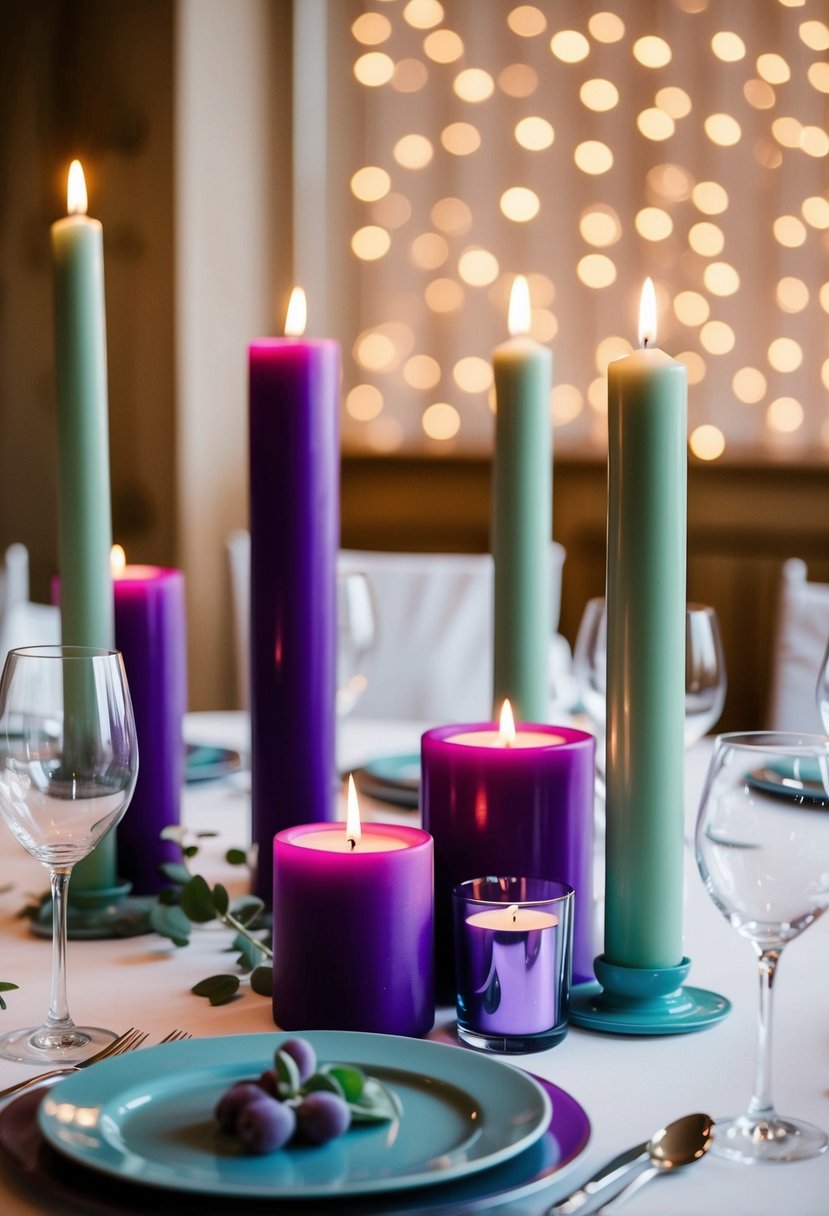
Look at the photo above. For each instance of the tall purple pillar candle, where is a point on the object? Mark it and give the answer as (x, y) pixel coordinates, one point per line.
(353, 929)
(150, 632)
(523, 807)
(294, 535)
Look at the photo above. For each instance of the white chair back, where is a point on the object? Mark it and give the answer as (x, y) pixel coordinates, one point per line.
(800, 643)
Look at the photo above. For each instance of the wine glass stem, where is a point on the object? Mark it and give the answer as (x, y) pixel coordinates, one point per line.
(59, 1017)
(761, 1105)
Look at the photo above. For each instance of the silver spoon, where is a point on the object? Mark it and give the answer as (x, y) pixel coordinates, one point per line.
(688, 1128)
(680, 1143)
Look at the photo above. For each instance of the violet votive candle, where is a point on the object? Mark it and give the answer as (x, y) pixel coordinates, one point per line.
(513, 940)
(353, 935)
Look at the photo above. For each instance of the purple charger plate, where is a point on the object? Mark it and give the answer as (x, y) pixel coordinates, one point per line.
(23, 1146)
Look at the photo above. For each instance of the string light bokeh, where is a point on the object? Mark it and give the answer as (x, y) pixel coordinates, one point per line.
(588, 147)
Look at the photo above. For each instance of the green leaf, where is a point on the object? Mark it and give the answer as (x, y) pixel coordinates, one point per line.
(175, 872)
(287, 1075)
(170, 921)
(377, 1104)
(351, 1079)
(261, 980)
(5, 987)
(236, 857)
(206, 835)
(168, 896)
(246, 909)
(197, 901)
(219, 989)
(190, 850)
(323, 1081)
(221, 899)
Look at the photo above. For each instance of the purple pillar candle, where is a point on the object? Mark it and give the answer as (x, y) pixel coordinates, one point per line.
(512, 951)
(353, 929)
(150, 632)
(501, 806)
(294, 536)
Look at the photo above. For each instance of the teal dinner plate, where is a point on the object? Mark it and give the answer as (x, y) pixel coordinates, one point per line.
(204, 763)
(147, 1117)
(802, 784)
(393, 779)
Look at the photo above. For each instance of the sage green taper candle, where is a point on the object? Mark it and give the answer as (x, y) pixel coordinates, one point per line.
(85, 513)
(522, 516)
(646, 540)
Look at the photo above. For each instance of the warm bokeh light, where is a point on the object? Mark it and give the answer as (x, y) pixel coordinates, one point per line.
(410, 75)
(429, 251)
(653, 224)
(527, 21)
(567, 403)
(670, 182)
(652, 52)
(413, 151)
(721, 279)
(749, 385)
(569, 46)
(596, 270)
(452, 216)
(544, 325)
(600, 226)
(421, 371)
(818, 76)
(443, 46)
(370, 183)
(706, 239)
(534, 133)
(518, 80)
(655, 124)
(473, 374)
(691, 308)
(723, 130)
(792, 294)
(374, 69)
(599, 95)
(814, 141)
(815, 211)
(393, 211)
(759, 94)
(593, 157)
(787, 131)
(789, 231)
(815, 34)
(695, 365)
(461, 138)
(674, 101)
(606, 27)
(371, 29)
(444, 295)
(710, 197)
(717, 337)
(296, 316)
(474, 85)
(614, 347)
(785, 415)
(785, 354)
(707, 442)
(728, 46)
(117, 561)
(478, 267)
(520, 204)
(375, 352)
(370, 243)
(423, 14)
(441, 421)
(773, 68)
(364, 402)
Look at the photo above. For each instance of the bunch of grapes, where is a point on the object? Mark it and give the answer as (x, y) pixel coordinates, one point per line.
(290, 1099)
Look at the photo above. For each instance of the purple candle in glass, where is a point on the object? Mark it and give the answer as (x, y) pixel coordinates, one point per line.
(353, 935)
(512, 948)
(294, 535)
(501, 805)
(150, 632)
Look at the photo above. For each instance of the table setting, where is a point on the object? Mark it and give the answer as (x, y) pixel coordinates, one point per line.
(514, 987)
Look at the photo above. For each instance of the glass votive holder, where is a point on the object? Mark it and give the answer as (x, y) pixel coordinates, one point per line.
(513, 947)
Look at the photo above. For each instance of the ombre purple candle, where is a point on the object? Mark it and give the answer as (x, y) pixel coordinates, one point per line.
(353, 931)
(504, 800)
(294, 535)
(150, 632)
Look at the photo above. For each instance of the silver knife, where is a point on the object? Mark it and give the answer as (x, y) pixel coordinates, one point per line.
(604, 1177)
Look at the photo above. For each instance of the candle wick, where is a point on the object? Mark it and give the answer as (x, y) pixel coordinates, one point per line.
(645, 342)
(513, 908)
(352, 842)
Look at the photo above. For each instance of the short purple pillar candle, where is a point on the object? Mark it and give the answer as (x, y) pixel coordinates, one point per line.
(353, 930)
(150, 632)
(523, 808)
(512, 951)
(294, 535)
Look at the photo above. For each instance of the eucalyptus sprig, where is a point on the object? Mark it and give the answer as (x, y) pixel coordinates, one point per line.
(191, 900)
(368, 1099)
(6, 987)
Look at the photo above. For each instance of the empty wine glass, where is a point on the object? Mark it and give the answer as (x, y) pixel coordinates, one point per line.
(356, 632)
(705, 678)
(762, 845)
(67, 772)
(822, 691)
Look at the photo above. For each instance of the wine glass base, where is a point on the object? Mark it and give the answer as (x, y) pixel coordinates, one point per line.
(52, 1047)
(754, 1141)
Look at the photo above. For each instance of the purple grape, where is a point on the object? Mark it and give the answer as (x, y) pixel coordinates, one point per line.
(322, 1116)
(232, 1102)
(269, 1082)
(264, 1125)
(303, 1055)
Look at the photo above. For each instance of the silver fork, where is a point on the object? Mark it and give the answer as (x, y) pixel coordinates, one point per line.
(175, 1036)
(125, 1042)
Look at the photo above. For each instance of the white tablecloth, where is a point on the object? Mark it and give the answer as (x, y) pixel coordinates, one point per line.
(628, 1086)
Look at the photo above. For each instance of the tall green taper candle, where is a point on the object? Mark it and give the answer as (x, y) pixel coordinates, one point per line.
(85, 512)
(646, 539)
(522, 516)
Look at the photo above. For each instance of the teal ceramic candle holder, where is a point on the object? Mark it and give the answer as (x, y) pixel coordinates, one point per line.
(644, 1000)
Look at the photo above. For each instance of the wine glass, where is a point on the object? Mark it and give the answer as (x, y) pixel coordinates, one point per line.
(705, 678)
(822, 690)
(356, 632)
(67, 772)
(762, 845)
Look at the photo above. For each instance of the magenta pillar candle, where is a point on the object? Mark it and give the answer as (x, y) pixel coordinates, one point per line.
(524, 809)
(150, 632)
(353, 935)
(294, 536)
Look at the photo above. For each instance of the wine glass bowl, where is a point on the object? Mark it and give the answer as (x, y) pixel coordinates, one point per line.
(762, 847)
(822, 690)
(68, 764)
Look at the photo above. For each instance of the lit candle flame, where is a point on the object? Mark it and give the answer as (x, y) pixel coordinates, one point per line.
(296, 315)
(117, 561)
(512, 911)
(506, 726)
(520, 314)
(353, 831)
(76, 197)
(647, 315)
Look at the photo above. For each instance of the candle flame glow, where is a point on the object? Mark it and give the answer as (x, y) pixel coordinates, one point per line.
(117, 561)
(506, 726)
(512, 911)
(647, 315)
(353, 830)
(520, 313)
(297, 314)
(76, 196)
